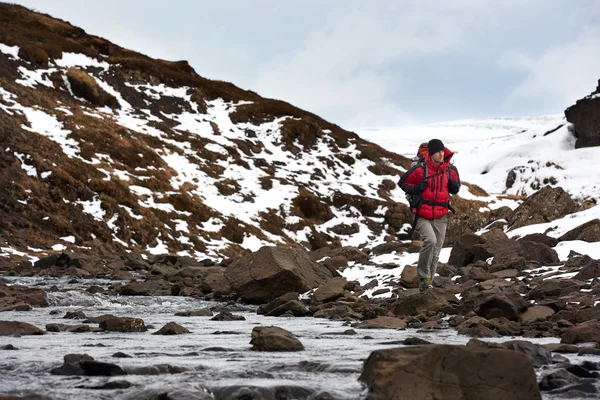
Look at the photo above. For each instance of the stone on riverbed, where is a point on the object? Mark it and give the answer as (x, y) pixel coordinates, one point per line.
(273, 338)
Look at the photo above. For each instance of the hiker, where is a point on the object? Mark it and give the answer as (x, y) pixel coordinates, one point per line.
(431, 181)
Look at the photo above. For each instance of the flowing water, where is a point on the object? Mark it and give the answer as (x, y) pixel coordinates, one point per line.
(217, 354)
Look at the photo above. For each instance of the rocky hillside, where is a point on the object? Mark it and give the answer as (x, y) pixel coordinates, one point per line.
(105, 150)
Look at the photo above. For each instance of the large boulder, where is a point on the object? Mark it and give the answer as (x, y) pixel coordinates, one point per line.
(420, 303)
(545, 205)
(449, 372)
(330, 290)
(462, 251)
(273, 271)
(586, 120)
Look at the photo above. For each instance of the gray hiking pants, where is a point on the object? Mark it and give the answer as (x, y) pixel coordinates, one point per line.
(432, 234)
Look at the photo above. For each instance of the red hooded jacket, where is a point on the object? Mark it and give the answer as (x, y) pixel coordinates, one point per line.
(442, 180)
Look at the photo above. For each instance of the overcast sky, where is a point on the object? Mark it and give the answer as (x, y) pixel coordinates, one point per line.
(366, 64)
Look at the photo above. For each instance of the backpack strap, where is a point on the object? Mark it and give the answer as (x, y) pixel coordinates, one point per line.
(414, 225)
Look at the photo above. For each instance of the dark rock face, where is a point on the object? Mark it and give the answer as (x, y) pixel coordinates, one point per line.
(586, 120)
(547, 204)
(449, 372)
(273, 271)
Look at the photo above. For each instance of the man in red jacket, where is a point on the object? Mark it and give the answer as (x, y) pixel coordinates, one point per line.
(435, 188)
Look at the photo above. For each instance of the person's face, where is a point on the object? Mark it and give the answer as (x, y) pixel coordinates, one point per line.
(438, 157)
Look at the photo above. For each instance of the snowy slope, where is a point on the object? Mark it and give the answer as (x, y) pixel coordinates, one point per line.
(488, 149)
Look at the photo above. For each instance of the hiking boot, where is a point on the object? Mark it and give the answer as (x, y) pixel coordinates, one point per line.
(424, 284)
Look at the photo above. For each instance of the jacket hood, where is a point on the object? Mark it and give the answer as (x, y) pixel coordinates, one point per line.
(447, 157)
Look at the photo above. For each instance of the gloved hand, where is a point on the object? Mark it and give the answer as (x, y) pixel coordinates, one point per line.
(453, 186)
(422, 186)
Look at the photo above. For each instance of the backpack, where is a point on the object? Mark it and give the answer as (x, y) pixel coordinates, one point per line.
(415, 200)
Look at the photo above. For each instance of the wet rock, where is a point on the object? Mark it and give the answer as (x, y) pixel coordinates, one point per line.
(11, 328)
(75, 315)
(99, 318)
(382, 322)
(123, 325)
(158, 369)
(449, 372)
(96, 368)
(9, 347)
(68, 370)
(76, 358)
(266, 308)
(180, 392)
(248, 392)
(561, 348)
(172, 328)
(227, 316)
(477, 327)
(538, 354)
(415, 341)
(293, 307)
(120, 354)
(67, 328)
(112, 385)
(273, 338)
(273, 271)
(336, 311)
(21, 298)
(203, 312)
(134, 289)
(585, 332)
(504, 327)
(558, 379)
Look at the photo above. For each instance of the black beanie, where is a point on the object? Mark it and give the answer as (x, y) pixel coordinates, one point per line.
(434, 146)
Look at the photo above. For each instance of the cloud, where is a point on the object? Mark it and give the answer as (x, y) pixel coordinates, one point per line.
(561, 74)
(348, 68)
